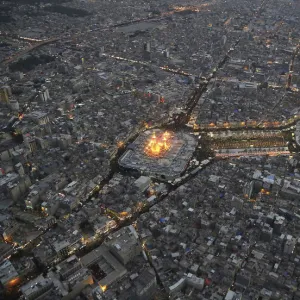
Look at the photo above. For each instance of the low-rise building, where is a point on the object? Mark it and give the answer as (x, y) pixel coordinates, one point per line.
(37, 288)
(105, 267)
(69, 267)
(5, 251)
(8, 274)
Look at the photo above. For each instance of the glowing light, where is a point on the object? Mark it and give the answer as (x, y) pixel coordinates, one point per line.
(8, 239)
(157, 146)
(120, 144)
(14, 281)
(196, 127)
(123, 214)
(103, 288)
(20, 116)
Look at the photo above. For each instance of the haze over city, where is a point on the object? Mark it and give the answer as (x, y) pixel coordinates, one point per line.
(149, 150)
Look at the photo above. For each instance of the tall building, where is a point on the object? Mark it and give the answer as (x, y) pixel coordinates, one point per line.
(147, 51)
(289, 245)
(14, 191)
(278, 224)
(40, 118)
(266, 233)
(14, 105)
(124, 244)
(5, 93)
(5, 251)
(147, 47)
(32, 199)
(147, 55)
(19, 169)
(69, 267)
(31, 144)
(44, 94)
(167, 53)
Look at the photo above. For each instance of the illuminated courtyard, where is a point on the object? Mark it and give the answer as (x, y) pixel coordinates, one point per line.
(160, 154)
(157, 146)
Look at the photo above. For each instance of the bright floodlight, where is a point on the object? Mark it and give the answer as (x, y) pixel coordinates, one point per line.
(158, 145)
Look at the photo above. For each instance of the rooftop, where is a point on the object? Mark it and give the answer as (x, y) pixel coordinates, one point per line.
(8, 272)
(123, 239)
(68, 264)
(106, 262)
(34, 285)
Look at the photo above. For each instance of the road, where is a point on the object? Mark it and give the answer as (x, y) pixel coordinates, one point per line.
(292, 66)
(250, 125)
(26, 51)
(254, 153)
(148, 64)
